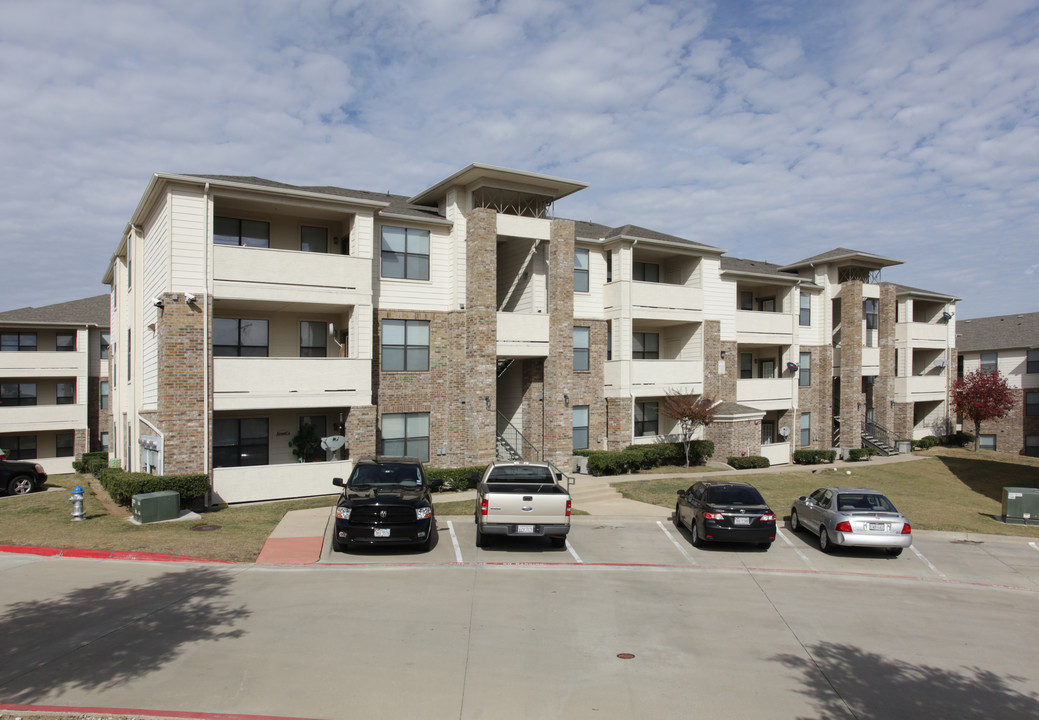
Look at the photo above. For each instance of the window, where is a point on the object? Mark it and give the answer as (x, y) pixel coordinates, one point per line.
(1033, 361)
(66, 393)
(646, 272)
(312, 341)
(872, 313)
(247, 233)
(767, 368)
(129, 355)
(580, 427)
(104, 394)
(746, 300)
(65, 342)
(17, 342)
(406, 435)
(806, 309)
(609, 266)
(19, 447)
(806, 430)
(106, 341)
(647, 419)
(767, 304)
(1032, 445)
(582, 339)
(989, 361)
(104, 441)
(609, 339)
(320, 425)
(313, 239)
(240, 442)
(1032, 404)
(64, 445)
(405, 253)
(804, 376)
(987, 442)
(645, 346)
(405, 345)
(746, 366)
(17, 393)
(580, 270)
(239, 337)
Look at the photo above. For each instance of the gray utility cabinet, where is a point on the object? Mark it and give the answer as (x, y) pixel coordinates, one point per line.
(1021, 505)
(156, 506)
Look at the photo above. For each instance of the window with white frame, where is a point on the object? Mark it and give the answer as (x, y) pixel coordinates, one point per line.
(19, 447)
(987, 441)
(405, 253)
(746, 366)
(104, 441)
(104, 394)
(582, 345)
(806, 430)
(1032, 445)
(805, 317)
(236, 231)
(804, 370)
(1032, 361)
(580, 426)
(1032, 404)
(581, 263)
(989, 361)
(405, 345)
(106, 341)
(647, 419)
(406, 435)
(645, 272)
(871, 309)
(239, 337)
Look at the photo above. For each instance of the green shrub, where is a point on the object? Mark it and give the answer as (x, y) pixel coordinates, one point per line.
(607, 462)
(958, 439)
(454, 478)
(927, 442)
(748, 462)
(814, 457)
(857, 454)
(89, 461)
(122, 486)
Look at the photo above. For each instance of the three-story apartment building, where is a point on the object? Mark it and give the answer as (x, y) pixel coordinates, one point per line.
(54, 398)
(466, 323)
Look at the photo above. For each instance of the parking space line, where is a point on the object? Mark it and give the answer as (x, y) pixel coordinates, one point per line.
(574, 552)
(928, 562)
(797, 550)
(681, 549)
(1034, 546)
(454, 541)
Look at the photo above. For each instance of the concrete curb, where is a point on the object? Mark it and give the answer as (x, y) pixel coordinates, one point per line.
(137, 714)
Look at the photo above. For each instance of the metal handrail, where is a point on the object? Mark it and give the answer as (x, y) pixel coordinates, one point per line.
(515, 440)
(836, 438)
(881, 433)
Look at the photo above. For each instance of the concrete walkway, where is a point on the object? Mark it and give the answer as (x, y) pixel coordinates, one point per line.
(298, 538)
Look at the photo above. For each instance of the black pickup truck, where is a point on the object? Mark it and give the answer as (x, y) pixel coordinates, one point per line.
(385, 501)
(20, 478)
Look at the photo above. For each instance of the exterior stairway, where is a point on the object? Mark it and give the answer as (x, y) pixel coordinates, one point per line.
(879, 438)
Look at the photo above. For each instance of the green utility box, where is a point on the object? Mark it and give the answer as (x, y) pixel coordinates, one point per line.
(1021, 505)
(156, 506)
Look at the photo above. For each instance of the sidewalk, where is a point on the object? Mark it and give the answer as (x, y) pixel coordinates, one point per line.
(299, 537)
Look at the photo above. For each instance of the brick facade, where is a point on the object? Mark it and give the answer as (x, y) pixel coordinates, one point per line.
(1011, 430)
(816, 399)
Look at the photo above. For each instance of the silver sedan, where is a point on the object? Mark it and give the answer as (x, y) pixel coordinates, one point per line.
(856, 517)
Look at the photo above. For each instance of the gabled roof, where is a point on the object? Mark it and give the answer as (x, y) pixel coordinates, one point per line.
(998, 332)
(494, 176)
(906, 290)
(760, 269)
(845, 257)
(596, 232)
(89, 311)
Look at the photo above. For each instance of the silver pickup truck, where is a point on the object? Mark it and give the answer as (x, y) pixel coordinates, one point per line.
(522, 499)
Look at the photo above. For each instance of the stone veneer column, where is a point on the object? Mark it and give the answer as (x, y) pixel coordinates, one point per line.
(884, 386)
(816, 399)
(182, 392)
(559, 365)
(852, 397)
(481, 336)
(716, 385)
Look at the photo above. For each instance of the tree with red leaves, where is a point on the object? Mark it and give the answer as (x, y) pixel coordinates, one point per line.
(691, 412)
(982, 395)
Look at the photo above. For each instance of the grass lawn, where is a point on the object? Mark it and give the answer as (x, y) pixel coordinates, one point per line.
(950, 489)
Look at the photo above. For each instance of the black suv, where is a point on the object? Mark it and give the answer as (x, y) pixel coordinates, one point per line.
(20, 478)
(386, 501)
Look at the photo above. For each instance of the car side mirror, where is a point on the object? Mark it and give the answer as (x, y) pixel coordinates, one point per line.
(338, 482)
(680, 493)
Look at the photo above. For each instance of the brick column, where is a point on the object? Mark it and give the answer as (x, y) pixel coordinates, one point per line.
(884, 387)
(481, 335)
(852, 397)
(182, 356)
(719, 386)
(559, 365)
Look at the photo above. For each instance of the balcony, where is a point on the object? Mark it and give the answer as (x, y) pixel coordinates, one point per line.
(25, 419)
(244, 383)
(921, 388)
(42, 364)
(524, 227)
(777, 453)
(656, 301)
(649, 378)
(766, 393)
(923, 335)
(273, 482)
(764, 327)
(245, 273)
(522, 334)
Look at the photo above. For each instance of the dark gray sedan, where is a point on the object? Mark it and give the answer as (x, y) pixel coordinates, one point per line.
(854, 517)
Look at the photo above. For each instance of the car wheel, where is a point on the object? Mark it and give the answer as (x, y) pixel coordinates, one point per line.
(431, 538)
(677, 518)
(765, 545)
(894, 552)
(21, 485)
(337, 546)
(559, 542)
(697, 540)
(824, 540)
(795, 524)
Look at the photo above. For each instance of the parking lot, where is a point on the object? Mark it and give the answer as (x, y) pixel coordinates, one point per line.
(649, 542)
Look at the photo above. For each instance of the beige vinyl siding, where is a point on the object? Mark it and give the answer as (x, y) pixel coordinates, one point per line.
(589, 304)
(400, 294)
(155, 254)
(188, 240)
(719, 297)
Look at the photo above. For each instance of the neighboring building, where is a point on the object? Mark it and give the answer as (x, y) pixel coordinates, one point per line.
(54, 382)
(468, 323)
(1010, 344)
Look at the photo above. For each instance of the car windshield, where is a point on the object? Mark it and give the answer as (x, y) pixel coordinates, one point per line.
(386, 474)
(734, 495)
(864, 502)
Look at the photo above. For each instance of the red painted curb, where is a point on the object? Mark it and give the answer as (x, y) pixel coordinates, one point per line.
(107, 555)
(145, 713)
(46, 552)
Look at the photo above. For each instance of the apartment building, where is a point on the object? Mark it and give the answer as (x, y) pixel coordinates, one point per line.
(54, 382)
(467, 322)
(1009, 344)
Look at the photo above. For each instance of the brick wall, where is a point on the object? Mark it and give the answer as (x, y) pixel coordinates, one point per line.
(884, 385)
(816, 399)
(560, 379)
(1010, 431)
(852, 399)
(181, 415)
(734, 438)
(716, 385)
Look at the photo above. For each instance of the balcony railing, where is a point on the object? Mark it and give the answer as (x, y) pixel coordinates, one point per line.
(23, 419)
(244, 383)
(522, 334)
(289, 276)
(766, 393)
(921, 388)
(271, 482)
(42, 364)
(656, 301)
(922, 334)
(764, 326)
(645, 378)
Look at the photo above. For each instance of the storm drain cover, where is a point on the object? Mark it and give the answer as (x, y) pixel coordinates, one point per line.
(626, 656)
(205, 528)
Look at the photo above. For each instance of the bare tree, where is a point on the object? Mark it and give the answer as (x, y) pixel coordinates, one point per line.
(691, 412)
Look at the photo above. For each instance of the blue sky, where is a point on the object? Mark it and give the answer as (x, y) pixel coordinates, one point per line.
(775, 130)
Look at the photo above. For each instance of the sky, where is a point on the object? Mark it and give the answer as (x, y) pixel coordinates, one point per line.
(774, 130)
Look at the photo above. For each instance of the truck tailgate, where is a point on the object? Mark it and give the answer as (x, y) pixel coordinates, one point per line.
(526, 508)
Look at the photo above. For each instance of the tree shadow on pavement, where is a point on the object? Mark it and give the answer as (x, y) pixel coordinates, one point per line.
(843, 681)
(109, 634)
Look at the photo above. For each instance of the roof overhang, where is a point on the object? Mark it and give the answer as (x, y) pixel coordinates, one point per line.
(852, 257)
(478, 174)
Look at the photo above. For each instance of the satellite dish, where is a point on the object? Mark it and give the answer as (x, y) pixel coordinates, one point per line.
(792, 367)
(333, 442)
(784, 431)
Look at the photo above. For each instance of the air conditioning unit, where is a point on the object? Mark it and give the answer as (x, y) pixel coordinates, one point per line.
(1021, 505)
(156, 506)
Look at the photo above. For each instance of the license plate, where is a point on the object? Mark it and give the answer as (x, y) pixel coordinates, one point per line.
(741, 521)
(526, 529)
(877, 527)
(382, 532)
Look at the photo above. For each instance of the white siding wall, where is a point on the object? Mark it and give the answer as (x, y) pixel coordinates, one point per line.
(1012, 364)
(434, 294)
(189, 231)
(719, 298)
(155, 259)
(589, 304)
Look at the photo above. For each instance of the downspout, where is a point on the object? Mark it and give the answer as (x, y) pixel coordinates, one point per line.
(206, 454)
(134, 432)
